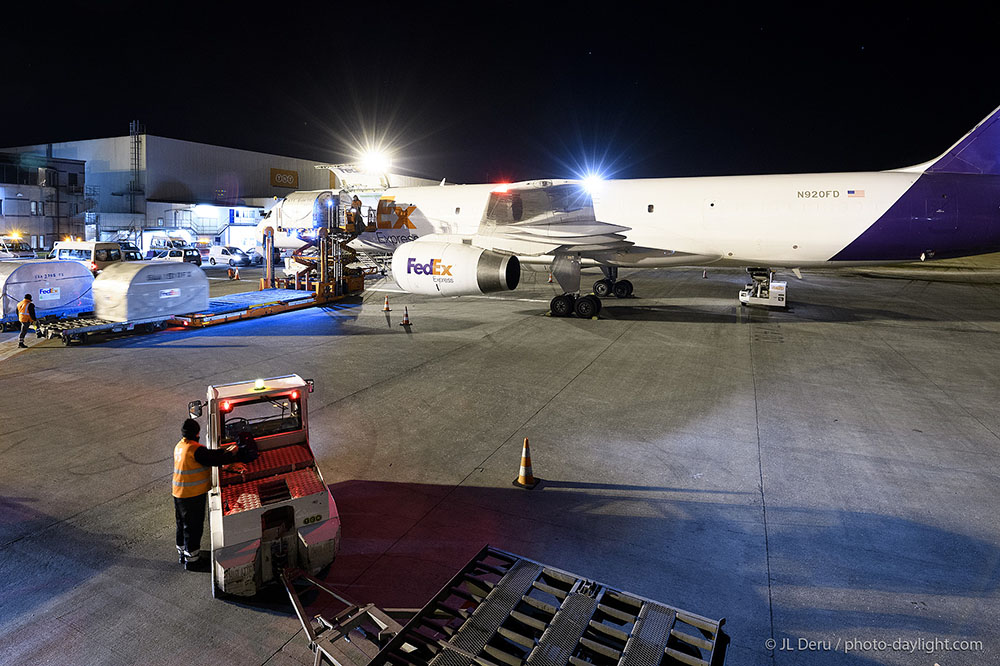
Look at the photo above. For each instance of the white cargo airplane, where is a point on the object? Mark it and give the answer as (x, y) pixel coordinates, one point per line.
(471, 239)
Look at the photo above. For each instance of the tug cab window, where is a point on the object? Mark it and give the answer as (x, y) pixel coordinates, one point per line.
(270, 415)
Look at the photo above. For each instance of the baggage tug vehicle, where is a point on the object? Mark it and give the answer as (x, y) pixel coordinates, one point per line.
(275, 512)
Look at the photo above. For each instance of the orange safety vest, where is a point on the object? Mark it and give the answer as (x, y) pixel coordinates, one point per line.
(191, 478)
(22, 311)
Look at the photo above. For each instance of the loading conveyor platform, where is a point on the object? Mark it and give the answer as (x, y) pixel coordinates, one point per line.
(502, 609)
(247, 305)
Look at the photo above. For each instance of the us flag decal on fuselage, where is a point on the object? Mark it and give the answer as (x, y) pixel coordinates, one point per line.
(855, 193)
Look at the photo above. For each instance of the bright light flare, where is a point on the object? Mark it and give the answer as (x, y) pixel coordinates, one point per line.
(593, 182)
(374, 162)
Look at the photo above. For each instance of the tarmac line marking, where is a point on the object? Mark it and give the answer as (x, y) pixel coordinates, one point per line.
(763, 501)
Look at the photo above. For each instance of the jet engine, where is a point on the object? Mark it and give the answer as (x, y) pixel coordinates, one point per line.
(453, 269)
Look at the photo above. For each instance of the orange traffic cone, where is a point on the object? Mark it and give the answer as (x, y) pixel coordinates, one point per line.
(234, 273)
(550, 278)
(406, 317)
(524, 477)
(386, 308)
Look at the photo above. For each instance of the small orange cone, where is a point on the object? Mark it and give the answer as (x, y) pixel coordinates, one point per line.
(406, 317)
(525, 479)
(386, 308)
(234, 273)
(550, 278)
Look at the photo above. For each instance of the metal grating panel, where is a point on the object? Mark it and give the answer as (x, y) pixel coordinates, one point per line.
(269, 463)
(571, 637)
(559, 640)
(246, 496)
(649, 638)
(487, 618)
(449, 657)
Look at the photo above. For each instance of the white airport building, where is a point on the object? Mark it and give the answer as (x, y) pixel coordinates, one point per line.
(140, 186)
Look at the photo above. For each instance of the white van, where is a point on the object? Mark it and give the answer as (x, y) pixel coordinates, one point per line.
(227, 254)
(92, 254)
(15, 248)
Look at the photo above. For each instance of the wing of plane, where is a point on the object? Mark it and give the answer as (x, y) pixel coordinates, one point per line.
(545, 218)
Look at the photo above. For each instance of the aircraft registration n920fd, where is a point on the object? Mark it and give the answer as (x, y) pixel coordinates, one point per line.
(948, 207)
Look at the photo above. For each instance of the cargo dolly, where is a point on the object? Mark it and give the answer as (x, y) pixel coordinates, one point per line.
(78, 329)
(502, 609)
(220, 310)
(248, 305)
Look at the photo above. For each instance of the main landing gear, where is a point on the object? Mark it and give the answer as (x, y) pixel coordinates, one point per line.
(566, 269)
(584, 307)
(607, 286)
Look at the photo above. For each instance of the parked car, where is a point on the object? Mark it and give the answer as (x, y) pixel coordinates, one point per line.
(256, 255)
(12, 247)
(188, 254)
(227, 254)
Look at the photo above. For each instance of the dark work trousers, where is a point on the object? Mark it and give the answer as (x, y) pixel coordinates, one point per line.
(24, 330)
(190, 515)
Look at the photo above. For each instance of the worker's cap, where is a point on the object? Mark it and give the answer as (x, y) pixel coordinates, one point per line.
(190, 429)
(27, 297)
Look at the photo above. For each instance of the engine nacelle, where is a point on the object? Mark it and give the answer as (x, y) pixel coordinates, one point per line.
(453, 269)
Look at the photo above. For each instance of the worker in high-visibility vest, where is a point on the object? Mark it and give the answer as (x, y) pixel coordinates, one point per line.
(191, 482)
(26, 315)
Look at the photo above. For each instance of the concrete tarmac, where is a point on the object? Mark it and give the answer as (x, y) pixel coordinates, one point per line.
(826, 476)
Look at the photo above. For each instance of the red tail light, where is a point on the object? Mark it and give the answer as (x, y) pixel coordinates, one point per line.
(225, 406)
(295, 395)
(93, 266)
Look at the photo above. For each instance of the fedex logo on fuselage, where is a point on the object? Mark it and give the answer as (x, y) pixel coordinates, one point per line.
(435, 267)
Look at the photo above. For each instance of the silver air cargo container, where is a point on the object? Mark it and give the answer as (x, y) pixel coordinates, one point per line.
(58, 288)
(134, 290)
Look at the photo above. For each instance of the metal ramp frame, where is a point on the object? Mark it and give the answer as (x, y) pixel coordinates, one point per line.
(502, 609)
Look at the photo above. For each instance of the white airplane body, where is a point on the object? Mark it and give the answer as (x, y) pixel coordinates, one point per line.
(944, 208)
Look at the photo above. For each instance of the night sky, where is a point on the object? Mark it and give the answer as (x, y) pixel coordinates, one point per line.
(512, 91)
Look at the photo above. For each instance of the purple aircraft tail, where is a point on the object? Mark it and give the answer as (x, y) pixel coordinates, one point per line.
(977, 152)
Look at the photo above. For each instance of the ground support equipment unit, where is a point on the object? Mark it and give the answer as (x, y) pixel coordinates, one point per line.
(762, 290)
(220, 310)
(247, 305)
(502, 609)
(277, 511)
(79, 329)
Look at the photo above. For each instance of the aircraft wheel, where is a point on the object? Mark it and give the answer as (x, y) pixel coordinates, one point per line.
(603, 287)
(623, 289)
(212, 261)
(562, 306)
(587, 307)
(630, 288)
